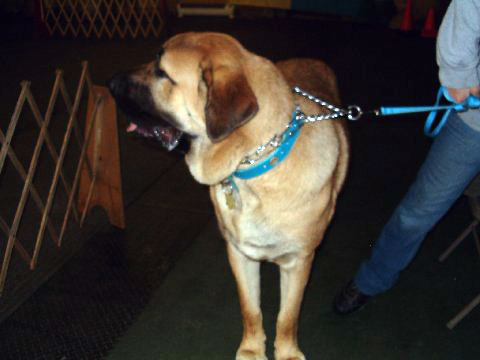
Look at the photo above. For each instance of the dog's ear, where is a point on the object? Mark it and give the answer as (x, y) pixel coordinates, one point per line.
(230, 101)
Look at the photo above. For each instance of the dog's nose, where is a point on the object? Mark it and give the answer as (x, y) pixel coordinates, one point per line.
(118, 84)
(113, 84)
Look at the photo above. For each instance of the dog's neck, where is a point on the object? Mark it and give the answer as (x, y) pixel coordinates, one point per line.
(210, 163)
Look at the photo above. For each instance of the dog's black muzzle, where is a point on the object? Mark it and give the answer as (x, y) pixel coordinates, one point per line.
(135, 100)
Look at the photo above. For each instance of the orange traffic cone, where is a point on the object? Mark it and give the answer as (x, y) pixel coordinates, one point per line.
(406, 24)
(429, 29)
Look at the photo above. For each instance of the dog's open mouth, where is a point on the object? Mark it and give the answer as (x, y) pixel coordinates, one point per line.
(167, 136)
(147, 122)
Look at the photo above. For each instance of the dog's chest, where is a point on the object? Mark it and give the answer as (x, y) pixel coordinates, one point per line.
(251, 230)
(259, 241)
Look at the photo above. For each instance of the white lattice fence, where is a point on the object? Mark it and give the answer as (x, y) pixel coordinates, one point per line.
(101, 18)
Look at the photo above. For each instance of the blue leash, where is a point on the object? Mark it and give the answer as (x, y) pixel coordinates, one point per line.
(353, 113)
(290, 136)
(472, 102)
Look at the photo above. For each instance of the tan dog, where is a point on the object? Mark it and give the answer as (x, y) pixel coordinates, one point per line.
(229, 102)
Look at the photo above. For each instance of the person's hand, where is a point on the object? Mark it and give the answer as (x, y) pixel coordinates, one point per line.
(460, 95)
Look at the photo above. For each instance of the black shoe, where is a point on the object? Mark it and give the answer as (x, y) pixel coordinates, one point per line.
(349, 299)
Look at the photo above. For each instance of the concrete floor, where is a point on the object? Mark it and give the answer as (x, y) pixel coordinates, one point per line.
(163, 290)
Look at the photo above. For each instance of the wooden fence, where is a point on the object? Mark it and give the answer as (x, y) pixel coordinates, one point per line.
(102, 18)
(49, 184)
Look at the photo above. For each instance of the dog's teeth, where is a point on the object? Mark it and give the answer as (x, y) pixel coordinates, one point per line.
(172, 145)
(132, 127)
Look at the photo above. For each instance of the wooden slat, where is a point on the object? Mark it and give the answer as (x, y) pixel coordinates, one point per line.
(68, 104)
(18, 246)
(23, 199)
(59, 163)
(48, 115)
(68, 131)
(77, 174)
(89, 198)
(22, 172)
(7, 138)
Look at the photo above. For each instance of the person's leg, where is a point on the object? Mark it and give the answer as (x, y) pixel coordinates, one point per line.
(452, 162)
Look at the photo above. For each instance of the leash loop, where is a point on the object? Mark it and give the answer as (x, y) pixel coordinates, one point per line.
(431, 130)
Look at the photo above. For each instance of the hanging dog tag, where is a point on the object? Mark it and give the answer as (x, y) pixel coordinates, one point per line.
(230, 200)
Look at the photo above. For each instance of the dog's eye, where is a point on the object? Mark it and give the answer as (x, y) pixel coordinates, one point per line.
(160, 73)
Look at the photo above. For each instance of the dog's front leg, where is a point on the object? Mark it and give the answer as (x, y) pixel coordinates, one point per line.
(294, 273)
(247, 275)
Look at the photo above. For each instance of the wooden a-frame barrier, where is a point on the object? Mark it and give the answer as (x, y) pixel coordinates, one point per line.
(95, 172)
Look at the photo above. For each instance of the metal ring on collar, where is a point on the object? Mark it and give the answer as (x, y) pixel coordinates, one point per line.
(354, 112)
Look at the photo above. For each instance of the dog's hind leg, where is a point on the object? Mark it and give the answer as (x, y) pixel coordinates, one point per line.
(247, 275)
(294, 273)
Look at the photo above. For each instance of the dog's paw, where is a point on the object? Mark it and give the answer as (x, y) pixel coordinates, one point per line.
(296, 355)
(249, 355)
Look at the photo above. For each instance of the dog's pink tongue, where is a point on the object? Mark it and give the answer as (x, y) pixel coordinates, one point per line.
(132, 127)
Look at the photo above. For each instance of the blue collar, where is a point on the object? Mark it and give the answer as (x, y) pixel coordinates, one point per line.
(289, 138)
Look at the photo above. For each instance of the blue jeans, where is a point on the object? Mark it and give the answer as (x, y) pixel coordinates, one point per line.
(452, 162)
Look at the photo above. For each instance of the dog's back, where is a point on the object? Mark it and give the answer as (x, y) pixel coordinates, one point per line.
(318, 79)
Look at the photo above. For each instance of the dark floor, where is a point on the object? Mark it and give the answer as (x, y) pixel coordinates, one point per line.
(162, 288)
